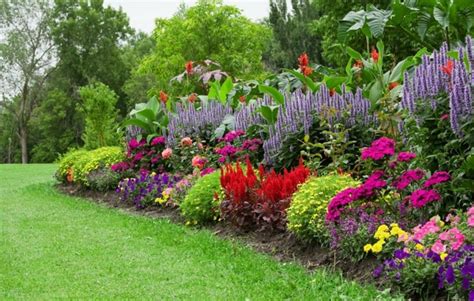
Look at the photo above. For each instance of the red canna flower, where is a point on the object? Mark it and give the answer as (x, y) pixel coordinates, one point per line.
(448, 67)
(303, 60)
(192, 98)
(242, 99)
(392, 85)
(189, 67)
(163, 97)
(375, 55)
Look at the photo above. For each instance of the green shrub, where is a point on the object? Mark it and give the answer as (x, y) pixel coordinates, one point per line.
(80, 163)
(307, 211)
(200, 205)
(66, 163)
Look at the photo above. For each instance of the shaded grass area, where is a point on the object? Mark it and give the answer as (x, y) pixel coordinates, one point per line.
(54, 246)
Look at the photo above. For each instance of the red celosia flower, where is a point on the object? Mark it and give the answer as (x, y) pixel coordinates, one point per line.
(375, 55)
(192, 98)
(189, 67)
(303, 60)
(392, 85)
(448, 67)
(163, 97)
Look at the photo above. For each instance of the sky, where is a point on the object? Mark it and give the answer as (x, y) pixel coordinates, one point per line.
(142, 13)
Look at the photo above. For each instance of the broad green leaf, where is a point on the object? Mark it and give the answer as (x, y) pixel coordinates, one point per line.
(276, 95)
(225, 89)
(270, 113)
(354, 53)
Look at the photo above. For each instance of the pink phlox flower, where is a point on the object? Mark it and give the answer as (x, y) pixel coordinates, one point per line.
(379, 149)
(454, 236)
(406, 156)
(436, 178)
(419, 198)
(438, 247)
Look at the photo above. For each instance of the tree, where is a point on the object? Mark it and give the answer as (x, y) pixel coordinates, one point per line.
(26, 58)
(292, 33)
(208, 30)
(101, 116)
(88, 36)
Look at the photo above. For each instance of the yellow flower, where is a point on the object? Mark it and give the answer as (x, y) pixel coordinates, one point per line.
(160, 201)
(395, 230)
(441, 224)
(394, 225)
(378, 246)
(382, 228)
(367, 248)
(419, 247)
(443, 256)
(381, 235)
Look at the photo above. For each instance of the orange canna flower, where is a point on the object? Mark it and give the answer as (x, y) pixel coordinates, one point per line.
(375, 55)
(163, 97)
(192, 98)
(392, 85)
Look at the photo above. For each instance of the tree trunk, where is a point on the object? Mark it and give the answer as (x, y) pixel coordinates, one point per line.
(24, 145)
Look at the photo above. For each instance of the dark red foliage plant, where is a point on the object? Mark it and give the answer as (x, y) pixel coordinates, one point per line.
(258, 199)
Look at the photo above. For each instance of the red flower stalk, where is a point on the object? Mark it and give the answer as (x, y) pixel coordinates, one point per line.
(375, 55)
(358, 64)
(189, 67)
(303, 60)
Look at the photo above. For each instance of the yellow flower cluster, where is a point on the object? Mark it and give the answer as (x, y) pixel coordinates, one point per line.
(382, 234)
(165, 197)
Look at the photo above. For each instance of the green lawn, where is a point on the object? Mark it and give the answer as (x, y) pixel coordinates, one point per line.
(54, 246)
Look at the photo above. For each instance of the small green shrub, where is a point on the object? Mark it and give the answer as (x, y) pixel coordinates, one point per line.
(200, 204)
(66, 163)
(75, 167)
(307, 211)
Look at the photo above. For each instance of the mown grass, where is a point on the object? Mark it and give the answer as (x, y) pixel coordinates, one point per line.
(54, 246)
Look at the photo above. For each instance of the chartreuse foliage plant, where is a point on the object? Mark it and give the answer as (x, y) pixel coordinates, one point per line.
(69, 248)
(75, 167)
(307, 212)
(100, 116)
(201, 204)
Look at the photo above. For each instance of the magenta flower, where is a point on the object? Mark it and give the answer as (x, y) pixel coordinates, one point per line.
(206, 171)
(419, 198)
(437, 178)
(407, 178)
(232, 135)
(406, 156)
(133, 144)
(379, 149)
(158, 140)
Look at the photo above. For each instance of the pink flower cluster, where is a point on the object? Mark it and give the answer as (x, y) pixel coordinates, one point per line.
(419, 198)
(421, 231)
(349, 195)
(379, 149)
(406, 156)
(437, 178)
(158, 140)
(407, 178)
(232, 135)
(470, 217)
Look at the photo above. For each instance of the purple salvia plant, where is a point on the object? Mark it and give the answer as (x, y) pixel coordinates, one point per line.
(429, 80)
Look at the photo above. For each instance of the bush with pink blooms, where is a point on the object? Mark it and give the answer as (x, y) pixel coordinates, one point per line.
(236, 146)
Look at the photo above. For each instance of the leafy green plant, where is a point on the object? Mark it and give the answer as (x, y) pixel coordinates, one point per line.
(151, 117)
(66, 163)
(201, 204)
(103, 179)
(307, 211)
(100, 116)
